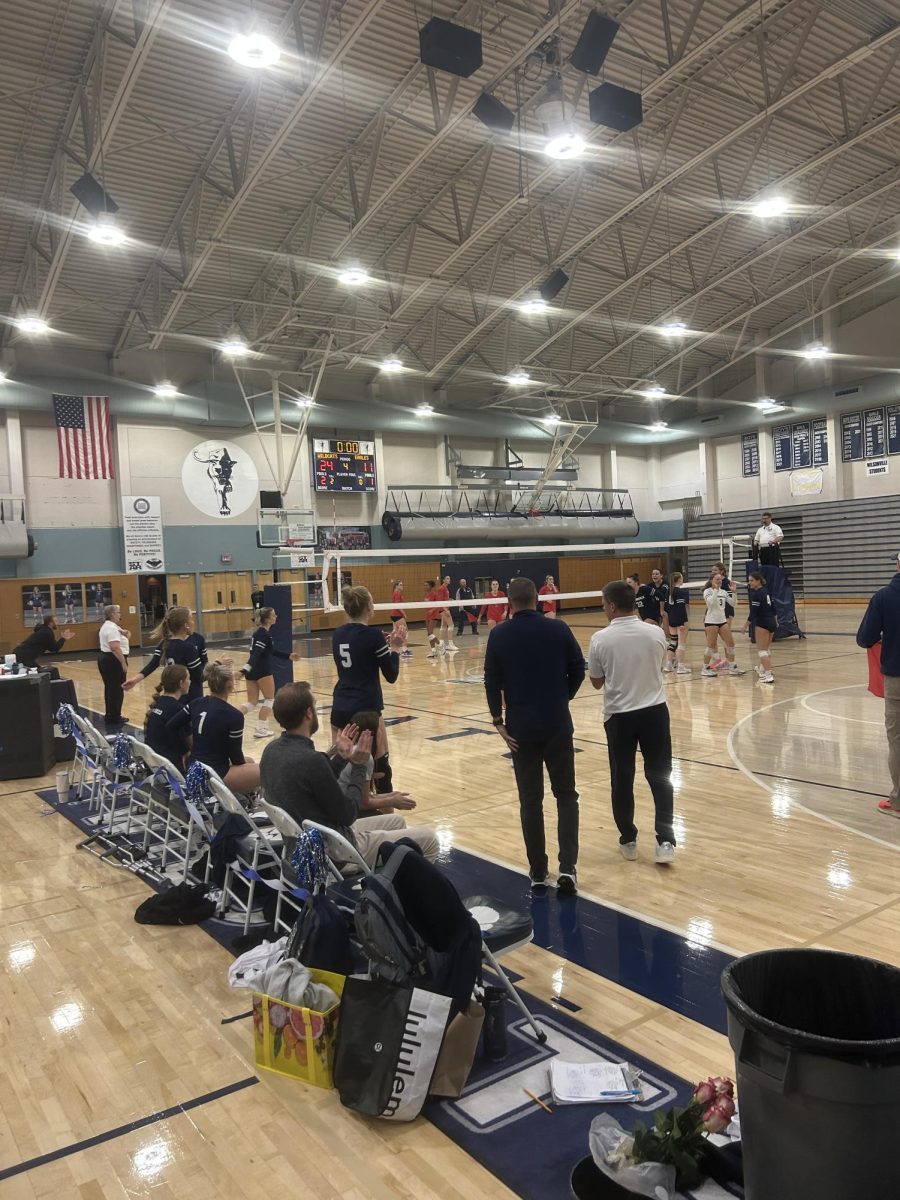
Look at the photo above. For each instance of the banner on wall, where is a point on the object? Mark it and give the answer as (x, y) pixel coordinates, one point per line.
(142, 532)
(750, 454)
(220, 479)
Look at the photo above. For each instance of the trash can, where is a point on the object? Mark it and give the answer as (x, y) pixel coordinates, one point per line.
(816, 1040)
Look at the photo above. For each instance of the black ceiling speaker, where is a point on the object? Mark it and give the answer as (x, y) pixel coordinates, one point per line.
(449, 47)
(552, 286)
(593, 45)
(615, 107)
(489, 111)
(270, 500)
(91, 194)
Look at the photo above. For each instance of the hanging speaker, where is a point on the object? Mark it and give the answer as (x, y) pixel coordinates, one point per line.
(615, 107)
(270, 500)
(593, 46)
(490, 112)
(93, 196)
(551, 287)
(449, 47)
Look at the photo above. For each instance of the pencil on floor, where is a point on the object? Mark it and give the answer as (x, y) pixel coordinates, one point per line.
(537, 1100)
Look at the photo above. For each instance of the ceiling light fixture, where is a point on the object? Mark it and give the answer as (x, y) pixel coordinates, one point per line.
(817, 351)
(391, 364)
(254, 50)
(165, 391)
(659, 426)
(4, 378)
(767, 402)
(106, 232)
(675, 329)
(769, 207)
(353, 277)
(234, 347)
(534, 304)
(565, 145)
(518, 378)
(553, 418)
(32, 324)
(424, 410)
(305, 402)
(654, 392)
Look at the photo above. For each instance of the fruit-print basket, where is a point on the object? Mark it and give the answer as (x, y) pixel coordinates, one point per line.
(294, 1041)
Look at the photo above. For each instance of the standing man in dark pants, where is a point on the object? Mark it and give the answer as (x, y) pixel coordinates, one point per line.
(626, 659)
(464, 615)
(535, 667)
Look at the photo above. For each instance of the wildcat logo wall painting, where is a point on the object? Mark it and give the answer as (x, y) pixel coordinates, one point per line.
(220, 479)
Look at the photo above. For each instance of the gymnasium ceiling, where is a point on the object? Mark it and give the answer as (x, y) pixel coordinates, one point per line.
(244, 192)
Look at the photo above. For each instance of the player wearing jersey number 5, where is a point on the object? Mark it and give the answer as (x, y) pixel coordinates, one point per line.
(362, 656)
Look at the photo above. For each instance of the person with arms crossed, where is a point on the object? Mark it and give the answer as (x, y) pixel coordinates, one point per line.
(534, 668)
(469, 613)
(43, 640)
(549, 588)
(625, 659)
(304, 782)
(882, 624)
(768, 539)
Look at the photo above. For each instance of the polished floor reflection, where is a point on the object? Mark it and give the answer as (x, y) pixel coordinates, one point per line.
(779, 844)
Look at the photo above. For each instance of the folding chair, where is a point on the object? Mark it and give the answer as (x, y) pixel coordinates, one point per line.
(91, 750)
(166, 802)
(254, 851)
(503, 929)
(288, 884)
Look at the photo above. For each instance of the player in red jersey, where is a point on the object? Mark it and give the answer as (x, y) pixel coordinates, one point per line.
(495, 605)
(432, 617)
(398, 617)
(549, 607)
(442, 592)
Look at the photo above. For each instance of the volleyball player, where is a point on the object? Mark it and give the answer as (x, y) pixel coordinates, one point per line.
(168, 704)
(432, 615)
(398, 617)
(495, 605)
(715, 625)
(176, 645)
(677, 617)
(260, 672)
(443, 593)
(68, 599)
(216, 729)
(36, 603)
(729, 586)
(99, 598)
(362, 655)
(549, 607)
(659, 597)
(762, 623)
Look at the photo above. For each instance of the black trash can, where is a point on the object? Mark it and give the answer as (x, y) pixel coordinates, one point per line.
(816, 1040)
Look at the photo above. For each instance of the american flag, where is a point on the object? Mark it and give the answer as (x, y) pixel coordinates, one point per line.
(84, 437)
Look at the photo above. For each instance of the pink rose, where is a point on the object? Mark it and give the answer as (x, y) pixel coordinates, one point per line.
(724, 1087)
(705, 1092)
(717, 1117)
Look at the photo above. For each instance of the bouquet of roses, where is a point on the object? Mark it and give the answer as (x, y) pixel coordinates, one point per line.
(678, 1136)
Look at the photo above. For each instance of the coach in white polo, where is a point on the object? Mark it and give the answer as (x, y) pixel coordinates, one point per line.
(626, 660)
(768, 537)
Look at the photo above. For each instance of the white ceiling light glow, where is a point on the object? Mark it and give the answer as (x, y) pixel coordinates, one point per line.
(553, 418)
(518, 378)
(675, 329)
(814, 352)
(254, 50)
(533, 304)
(234, 347)
(4, 378)
(105, 232)
(391, 365)
(770, 207)
(305, 402)
(767, 402)
(565, 145)
(165, 391)
(659, 426)
(32, 325)
(353, 277)
(424, 410)
(654, 392)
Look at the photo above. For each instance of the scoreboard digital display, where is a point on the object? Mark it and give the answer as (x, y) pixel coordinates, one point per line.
(343, 465)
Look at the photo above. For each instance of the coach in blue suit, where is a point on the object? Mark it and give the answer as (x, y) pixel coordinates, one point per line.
(533, 668)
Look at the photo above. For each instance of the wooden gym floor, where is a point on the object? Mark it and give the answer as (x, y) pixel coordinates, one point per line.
(106, 1023)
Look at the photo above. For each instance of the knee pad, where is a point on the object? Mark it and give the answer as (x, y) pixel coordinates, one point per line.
(673, 644)
(763, 653)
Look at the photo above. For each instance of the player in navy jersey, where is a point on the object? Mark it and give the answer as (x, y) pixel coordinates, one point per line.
(36, 603)
(259, 672)
(362, 655)
(217, 731)
(762, 623)
(167, 704)
(659, 596)
(677, 618)
(177, 645)
(99, 598)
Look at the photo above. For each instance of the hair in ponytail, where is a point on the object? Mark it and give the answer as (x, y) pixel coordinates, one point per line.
(175, 620)
(170, 680)
(217, 678)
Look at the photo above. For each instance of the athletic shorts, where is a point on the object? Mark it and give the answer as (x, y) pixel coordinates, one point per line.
(255, 676)
(713, 624)
(675, 623)
(397, 617)
(759, 625)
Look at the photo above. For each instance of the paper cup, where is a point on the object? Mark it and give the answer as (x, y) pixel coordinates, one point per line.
(62, 784)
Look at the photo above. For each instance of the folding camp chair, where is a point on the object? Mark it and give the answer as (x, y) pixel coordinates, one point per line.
(254, 852)
(503, 929)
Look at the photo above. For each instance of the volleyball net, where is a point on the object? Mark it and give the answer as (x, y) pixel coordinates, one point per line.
(327, 569)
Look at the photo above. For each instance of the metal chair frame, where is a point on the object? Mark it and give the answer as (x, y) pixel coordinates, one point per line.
(254, 852)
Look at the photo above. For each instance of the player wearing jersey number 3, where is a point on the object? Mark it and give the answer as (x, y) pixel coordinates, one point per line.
(715, 626)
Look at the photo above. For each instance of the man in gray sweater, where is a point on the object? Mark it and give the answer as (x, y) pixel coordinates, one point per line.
(312, 786)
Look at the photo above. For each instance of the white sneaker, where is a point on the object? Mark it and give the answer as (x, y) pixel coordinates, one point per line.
(432, 654)
(767, 677)
(683, 670)
(665, 852)
(628, 850)
(734, 669)
(263, 731)
(708, 672)
(452, 646)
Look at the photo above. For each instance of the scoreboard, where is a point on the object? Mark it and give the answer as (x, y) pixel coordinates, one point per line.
(343, 465)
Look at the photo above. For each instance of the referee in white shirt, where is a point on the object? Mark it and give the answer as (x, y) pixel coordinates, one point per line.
(769, 538)
(626, 660)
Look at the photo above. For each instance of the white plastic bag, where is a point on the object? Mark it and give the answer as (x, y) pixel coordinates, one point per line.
(246, 971)
(611, 1147)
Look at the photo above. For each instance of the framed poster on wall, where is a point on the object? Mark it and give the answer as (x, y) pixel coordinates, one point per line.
(36, 604)
(69, 603)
